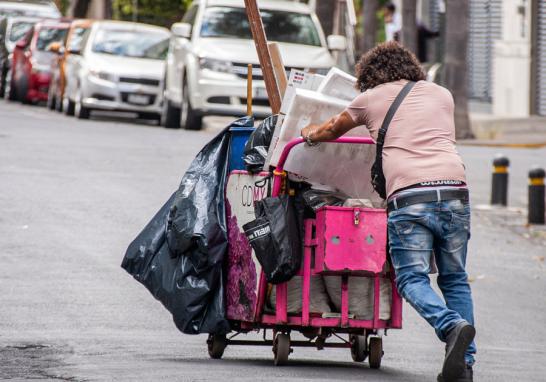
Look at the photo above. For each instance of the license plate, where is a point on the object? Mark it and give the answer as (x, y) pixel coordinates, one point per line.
(138, 99)
(260, 93)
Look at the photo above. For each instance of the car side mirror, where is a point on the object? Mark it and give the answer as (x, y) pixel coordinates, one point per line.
(337, 42)
(61, 51)
(181, 30)
(54, 47)
(21, 44)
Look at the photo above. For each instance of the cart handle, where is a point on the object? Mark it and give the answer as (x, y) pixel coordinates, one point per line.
(279, 171)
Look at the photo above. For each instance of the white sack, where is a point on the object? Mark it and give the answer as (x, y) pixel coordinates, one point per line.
(318, 297)
(361, 296)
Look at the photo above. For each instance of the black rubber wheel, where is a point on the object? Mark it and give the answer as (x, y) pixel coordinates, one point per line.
(359, 348)
(3, 82)
(189, 119)
(170, 117)
(51, 101)
(12, 92)
(59, 103)
(80, 111)
(281, 349)
(69, 107)
(375, 352)
(216, 344)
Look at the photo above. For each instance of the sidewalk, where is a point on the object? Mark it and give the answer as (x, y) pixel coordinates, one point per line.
(494, 131)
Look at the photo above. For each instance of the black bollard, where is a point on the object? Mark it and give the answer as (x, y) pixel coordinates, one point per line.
(536, 214)
(499, 187)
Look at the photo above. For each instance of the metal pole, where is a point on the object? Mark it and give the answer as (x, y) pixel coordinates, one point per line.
(249, 90)
(499, 186)
(536, 213)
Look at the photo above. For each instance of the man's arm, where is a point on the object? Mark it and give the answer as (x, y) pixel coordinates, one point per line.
(332, 129)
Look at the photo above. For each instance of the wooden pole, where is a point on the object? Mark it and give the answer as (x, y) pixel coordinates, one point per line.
(249, 90)
(260, 40)
(278, 67)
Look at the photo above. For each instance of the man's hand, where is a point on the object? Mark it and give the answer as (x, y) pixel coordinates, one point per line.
(308, 129)
(332, 129)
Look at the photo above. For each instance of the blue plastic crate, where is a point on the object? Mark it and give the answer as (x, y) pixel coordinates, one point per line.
(240, 132)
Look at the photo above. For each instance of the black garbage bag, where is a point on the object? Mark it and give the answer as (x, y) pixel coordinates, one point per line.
(275, 237)
(258, 144)
(179, 255)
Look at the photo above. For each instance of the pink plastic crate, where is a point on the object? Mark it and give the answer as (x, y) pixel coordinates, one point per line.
(350, 239)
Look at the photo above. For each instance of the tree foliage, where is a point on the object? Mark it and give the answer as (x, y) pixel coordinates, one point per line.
(157, 12)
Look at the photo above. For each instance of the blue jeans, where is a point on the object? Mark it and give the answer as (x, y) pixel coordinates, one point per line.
(442, 228)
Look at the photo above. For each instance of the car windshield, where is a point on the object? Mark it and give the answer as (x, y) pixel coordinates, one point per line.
(47, 36)
(19, 29)
(132, 43)
(76, 38)
(280, 26)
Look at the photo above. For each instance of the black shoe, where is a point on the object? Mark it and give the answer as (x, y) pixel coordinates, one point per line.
(457, 342)
(467, 376)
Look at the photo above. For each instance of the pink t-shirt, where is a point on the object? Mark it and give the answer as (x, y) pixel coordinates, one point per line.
(420, 141)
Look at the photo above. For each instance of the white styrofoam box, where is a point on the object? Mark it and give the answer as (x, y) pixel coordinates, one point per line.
(298, 79)
(339, 84)
(345, 167)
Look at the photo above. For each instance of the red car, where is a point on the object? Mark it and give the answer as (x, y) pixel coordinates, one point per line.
(32, 60)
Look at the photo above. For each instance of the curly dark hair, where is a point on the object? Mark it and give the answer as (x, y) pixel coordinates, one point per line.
(387, 62)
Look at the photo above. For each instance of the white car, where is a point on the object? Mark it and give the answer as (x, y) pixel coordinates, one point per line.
(212, 46)
(120, 68)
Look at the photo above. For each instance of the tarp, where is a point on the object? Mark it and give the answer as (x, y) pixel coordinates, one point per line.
(179, 255)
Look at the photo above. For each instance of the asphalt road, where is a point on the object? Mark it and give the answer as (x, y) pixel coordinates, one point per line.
(73, 194)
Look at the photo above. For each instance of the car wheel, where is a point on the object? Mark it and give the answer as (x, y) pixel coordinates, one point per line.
(59, 103)
(22, 91)
(68, 106)
(190, 120)
(12, 91)
(170, 117)
(3, 82)
(80, 111)
(51, 98)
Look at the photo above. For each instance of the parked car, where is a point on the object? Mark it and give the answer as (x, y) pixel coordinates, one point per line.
(212, 46)
(74, 42)
(30, 8)
(12, 29)
(31, 63)
(120, 68)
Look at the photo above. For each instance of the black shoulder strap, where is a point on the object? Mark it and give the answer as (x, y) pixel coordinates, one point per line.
(388, 117)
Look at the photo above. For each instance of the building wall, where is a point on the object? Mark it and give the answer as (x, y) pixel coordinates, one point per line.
(512, 61)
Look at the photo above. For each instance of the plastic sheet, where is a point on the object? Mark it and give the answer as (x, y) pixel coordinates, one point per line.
(317, 199)
(179, 255)
(257, 145)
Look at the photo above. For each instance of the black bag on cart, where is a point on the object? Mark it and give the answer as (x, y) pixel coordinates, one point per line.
(179, 255)
(275, 237)
(257, 146)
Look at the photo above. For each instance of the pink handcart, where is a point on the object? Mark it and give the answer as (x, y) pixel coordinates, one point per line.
(341, 241)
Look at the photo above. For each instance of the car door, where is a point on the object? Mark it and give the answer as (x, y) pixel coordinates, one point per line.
(73, 64)
(178, 50)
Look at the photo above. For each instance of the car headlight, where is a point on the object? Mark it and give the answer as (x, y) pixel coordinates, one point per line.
(215, 65)
(102, 75)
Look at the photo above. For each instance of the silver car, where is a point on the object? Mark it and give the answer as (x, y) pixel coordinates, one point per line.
(120, 68)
